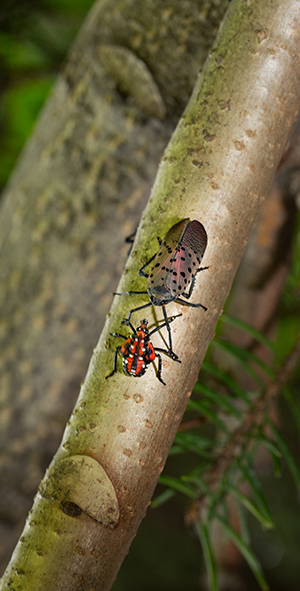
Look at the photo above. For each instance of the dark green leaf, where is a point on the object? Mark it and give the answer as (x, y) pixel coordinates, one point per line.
(277, 466)
(198, 481)
(176, 450)
(203, 407)
(250, 506)
(163, 498)
(256, 489)
(21, 54)
(286, 454)
(194, 476)
(293, 405)
(220, 399)
(244, 358)
(246, 552)
(22, 105)
(194, 443)
(269, 444)
(243, 523)
(256, 334)
(177, 485)
(229, 382)
(198, 470)
(210, 563)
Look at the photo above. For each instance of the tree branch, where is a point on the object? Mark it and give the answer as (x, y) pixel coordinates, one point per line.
(80, 187)
(217, 168)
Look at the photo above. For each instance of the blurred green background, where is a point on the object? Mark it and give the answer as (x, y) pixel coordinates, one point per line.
(166, 556)
(34, 38)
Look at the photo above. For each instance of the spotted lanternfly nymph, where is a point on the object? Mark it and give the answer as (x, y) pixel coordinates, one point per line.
(174, 268)
(138, 351)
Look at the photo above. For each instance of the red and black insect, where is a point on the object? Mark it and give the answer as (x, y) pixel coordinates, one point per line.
(174, 268)
(138, 351)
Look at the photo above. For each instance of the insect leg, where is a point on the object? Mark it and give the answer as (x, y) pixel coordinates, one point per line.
(130, 292)
(141, 271)
(158, 375)
(189, 304)
(168, 329)
(136, 309)
(169, 353)
(128, 323)
(130, 239)
(117, 349)
(188, 295)
(117, 334)
(164, 324)
(202, 269)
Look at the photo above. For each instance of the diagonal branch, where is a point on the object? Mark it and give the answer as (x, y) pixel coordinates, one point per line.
(217, 169)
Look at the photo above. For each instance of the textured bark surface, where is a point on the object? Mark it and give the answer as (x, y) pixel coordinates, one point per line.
(217, 168)
(78, 191)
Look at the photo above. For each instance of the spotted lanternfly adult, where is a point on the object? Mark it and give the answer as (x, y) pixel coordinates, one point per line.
(138, 351)
(174, 268)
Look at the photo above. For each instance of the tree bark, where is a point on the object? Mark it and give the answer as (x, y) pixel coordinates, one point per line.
(78, 191)
(217, 168)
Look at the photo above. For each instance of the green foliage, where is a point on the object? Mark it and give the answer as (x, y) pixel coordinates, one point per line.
(69, 5)
(233, 425)
(246, 360)
(34, 39)
(288, 321)
(19, 54)
(246, 552)
(253, 332)
(18, 108)
(208, 555)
